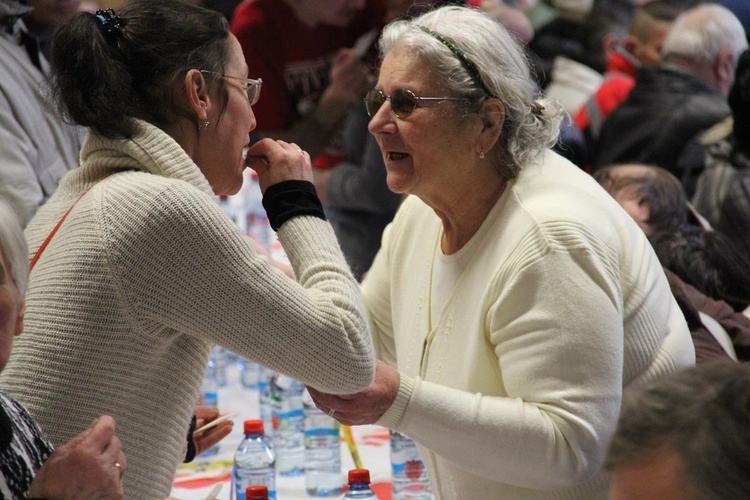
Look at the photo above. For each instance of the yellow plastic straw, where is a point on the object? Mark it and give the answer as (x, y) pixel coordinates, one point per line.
(349, 438)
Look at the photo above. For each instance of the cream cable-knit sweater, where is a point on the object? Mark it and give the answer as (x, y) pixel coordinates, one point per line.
(514, 391)
(144, 275)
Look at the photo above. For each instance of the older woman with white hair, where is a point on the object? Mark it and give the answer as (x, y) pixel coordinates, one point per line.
(512, 300)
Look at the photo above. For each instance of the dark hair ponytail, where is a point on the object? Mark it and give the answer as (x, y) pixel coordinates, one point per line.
(104, 75)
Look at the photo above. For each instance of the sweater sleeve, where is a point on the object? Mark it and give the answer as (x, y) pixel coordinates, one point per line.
(555, 359)
(184, 268)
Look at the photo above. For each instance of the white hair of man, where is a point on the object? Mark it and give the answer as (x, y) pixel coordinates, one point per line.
(502, 71)
(700, 34)
(13, 246)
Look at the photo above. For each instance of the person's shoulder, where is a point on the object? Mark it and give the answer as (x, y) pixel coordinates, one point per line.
(156, 197)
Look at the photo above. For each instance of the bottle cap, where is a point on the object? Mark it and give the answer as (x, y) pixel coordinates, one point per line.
(253, 427)
(256, 493)
(359, 476)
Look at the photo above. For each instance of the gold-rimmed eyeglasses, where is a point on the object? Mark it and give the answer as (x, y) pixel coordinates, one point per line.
(403, 101)
(250, 86)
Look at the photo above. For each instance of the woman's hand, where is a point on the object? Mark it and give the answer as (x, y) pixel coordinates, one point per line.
(205, 439)
(91, 465)
(278, 161)
(365, 407)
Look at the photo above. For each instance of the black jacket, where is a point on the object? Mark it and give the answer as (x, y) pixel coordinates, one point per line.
(666, 109)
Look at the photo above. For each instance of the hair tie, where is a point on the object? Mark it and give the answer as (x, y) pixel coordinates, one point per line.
(110, 24)
(468, 65)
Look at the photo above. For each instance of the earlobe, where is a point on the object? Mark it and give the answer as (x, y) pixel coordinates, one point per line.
(725, 66)
(493, 118)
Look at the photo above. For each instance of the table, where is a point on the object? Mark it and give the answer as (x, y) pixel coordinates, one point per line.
(195, 481)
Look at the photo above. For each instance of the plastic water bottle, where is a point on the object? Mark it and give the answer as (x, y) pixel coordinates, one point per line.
(217, 359)
(408, 474)
(254, 462)
(288, 425)
(359, 484)
(265, 401)
(249, 373)
(210, 398)
(322, 452)
(256, 493)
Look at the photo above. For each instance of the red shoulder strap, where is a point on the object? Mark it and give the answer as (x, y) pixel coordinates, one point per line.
(46, 241)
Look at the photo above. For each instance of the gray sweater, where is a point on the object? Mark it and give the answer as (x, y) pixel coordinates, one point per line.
(36, 147)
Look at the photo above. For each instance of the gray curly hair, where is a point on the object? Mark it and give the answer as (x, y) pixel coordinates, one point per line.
(531, 126)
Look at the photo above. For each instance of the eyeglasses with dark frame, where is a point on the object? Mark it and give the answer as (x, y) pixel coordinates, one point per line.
(250, 86)
(403, 101)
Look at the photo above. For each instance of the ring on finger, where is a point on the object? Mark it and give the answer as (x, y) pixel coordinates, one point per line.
(120, 468)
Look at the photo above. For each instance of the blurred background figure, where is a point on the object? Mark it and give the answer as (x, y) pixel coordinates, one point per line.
(709, 277)
(92, 463)
(36, 147)
(641, 47)
(670, 104)
(684, 436)
(722, 192)
(302, 50)
(576, 75)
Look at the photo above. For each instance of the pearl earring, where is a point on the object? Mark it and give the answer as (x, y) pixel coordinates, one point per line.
(481, 154)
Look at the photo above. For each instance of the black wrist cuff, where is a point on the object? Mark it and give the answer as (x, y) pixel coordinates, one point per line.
(190, 454)
(289, 199)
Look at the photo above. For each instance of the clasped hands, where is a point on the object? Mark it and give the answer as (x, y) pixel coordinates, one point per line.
(366, 407)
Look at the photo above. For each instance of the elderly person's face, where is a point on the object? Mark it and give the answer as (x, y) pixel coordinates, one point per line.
(11, 310)
(425, 151)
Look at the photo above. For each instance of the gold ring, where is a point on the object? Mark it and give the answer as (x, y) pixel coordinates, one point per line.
(331, 411)
(120, 468)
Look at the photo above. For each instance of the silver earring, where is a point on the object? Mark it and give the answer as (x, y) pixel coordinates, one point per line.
(481, 154)
(203, 125)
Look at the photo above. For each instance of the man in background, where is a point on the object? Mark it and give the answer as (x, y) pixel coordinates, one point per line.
(671, 104)
(36, 147)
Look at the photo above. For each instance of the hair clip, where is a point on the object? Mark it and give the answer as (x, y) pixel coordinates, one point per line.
(537, 108)
(110, 23)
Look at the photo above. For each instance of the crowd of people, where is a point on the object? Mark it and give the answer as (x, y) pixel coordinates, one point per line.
(514, 228)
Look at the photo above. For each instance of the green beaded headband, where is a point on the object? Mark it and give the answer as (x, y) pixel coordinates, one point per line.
(465, 61)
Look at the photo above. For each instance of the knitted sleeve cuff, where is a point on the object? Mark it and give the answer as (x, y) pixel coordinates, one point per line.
(289, 199)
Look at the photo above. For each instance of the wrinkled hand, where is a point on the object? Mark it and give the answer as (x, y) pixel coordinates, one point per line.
(365, 407)
(350, 77)
(278, 161)
(84, 467)
(205, 439)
